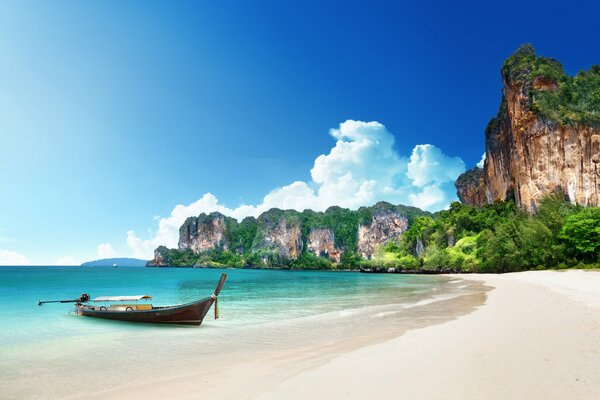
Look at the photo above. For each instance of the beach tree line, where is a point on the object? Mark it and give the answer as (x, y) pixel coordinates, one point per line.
(497, 237)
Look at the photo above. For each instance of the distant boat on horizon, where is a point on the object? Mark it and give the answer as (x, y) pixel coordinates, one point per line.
(116, 262)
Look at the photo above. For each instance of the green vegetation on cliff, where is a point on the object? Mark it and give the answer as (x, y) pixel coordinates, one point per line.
(241, 235)
(497, 237)
(248, 245)
(567, 100)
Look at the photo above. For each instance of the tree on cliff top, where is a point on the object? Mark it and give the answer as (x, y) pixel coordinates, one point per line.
(558, 97)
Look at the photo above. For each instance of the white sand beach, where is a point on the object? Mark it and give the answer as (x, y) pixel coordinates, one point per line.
(536, 337)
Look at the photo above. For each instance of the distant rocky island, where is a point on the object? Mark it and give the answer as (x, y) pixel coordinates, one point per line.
(119, 262)
(534, 204)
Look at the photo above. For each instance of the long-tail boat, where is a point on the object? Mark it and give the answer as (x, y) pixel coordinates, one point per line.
(127, 308)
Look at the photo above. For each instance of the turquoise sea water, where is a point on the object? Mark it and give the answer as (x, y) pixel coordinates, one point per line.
(249, 296)
(259, 309)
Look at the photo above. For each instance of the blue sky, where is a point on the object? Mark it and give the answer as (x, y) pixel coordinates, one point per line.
(113, 113)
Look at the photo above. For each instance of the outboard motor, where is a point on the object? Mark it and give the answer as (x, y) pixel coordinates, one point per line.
(84, 298)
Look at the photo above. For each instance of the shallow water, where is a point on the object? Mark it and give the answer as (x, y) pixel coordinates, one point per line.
(261, 311)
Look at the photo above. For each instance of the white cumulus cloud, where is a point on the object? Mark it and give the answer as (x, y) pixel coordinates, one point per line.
(429, 166)
(8, 257)
(105, 250)
(482, 161)
(362, 168)
(67, 260)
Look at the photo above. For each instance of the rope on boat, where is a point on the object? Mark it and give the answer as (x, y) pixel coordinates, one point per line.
(214, 296)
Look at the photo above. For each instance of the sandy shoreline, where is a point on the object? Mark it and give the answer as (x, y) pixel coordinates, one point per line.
(536, 337)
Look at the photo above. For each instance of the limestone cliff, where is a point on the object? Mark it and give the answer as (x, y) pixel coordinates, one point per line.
(545, 137)
(203, 233)
(279, 237)
(383, 227)
(161, 258)
(321, 242)
(286, 238)
(470, 187)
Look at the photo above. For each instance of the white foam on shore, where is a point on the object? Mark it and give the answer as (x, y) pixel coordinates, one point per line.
(347, 313)
(433, 300)
(419, 303)
(373, 311)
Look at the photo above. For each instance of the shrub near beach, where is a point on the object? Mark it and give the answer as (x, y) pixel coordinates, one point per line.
(498, 238)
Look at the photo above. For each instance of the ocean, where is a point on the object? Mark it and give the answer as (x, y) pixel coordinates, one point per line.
(261, 311)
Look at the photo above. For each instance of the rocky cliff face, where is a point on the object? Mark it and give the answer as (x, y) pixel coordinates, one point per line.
(470, 187)
(545, 137)
(321, 242)
(383, 227)
(161, 258)
(203, 233)
(278, 237)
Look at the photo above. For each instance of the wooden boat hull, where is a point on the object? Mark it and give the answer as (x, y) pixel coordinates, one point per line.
(183, 314)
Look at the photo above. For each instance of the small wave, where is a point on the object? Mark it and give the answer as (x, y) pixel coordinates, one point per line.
(348, 312)
(424, 302)
(419, 303)
(385, 314)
